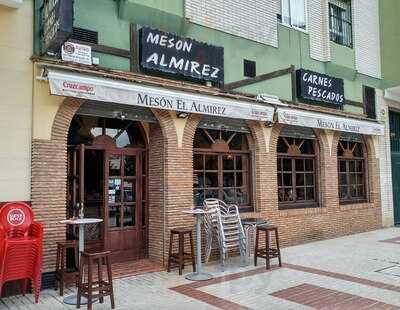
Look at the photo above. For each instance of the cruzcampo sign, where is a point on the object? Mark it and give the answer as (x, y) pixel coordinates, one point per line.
(173, 54)
(315, 86)
(57, 23)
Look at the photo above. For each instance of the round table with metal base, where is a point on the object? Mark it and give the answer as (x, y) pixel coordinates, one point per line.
(199, 275)
(72, 299)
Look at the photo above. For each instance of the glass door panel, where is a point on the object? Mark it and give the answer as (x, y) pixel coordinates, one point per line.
(114, 216)
(114, 190)
(129, 216)
(130, 165)
(129, 190)
(114, 166)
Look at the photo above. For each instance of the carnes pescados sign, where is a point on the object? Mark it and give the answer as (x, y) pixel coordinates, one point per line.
(170, 53)
(315, 86)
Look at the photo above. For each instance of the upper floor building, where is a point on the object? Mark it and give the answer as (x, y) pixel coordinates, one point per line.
(263, 41)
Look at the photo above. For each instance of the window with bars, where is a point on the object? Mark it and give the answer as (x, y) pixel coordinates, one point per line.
(296, 168)
(351, 170)
(221, 164)
(340, 22)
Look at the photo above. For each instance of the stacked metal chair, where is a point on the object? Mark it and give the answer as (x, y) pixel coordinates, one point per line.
(224, 227)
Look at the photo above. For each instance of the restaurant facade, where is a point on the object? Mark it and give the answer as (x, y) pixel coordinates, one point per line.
(146, 117)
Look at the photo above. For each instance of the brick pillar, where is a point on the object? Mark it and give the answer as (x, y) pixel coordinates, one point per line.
(49, 180)
(327, 168)
(170, 180)
(264, 167)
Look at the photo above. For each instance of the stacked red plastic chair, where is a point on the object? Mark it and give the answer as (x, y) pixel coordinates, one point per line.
(21, 247)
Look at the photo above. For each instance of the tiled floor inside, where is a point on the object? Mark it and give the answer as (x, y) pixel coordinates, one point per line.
(355, 272)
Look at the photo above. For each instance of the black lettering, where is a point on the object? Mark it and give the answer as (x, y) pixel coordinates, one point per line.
(142, 100)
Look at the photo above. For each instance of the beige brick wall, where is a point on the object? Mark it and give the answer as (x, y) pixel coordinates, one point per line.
(16, 101)
(171, 184)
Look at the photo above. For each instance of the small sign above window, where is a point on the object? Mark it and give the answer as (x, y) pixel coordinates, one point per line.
(315, 86)
(170, 53)
(78, 53)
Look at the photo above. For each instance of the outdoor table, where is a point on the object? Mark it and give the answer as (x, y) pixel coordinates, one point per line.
(199, 275)
(249, 225)
(72, 299)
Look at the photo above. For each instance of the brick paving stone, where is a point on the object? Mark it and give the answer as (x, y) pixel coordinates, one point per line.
(306, 294)
(325, 272)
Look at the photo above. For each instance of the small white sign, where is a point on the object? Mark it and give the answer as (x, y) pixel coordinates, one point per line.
(325, 121)
(76, 53)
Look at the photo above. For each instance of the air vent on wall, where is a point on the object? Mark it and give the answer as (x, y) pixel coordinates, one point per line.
(85, 35)
(369, 102)
(249, 68)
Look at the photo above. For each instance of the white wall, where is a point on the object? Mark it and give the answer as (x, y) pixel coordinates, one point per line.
(255, 20)
(318, 29)
(15, 101)
(367, 37)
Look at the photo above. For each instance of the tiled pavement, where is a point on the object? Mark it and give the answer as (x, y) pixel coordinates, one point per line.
(355, 272)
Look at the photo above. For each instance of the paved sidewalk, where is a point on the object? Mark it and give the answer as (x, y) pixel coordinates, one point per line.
(355, 272)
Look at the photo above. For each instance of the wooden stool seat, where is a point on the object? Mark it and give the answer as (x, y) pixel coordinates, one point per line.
(99, 288)
(181, 231)
(179, 258)
(268, 252)
(66, 275)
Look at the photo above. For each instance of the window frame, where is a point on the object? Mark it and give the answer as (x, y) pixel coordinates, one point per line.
(220, 171)
(364, 174)
(299, 204)
(289, 25)
(343, 23)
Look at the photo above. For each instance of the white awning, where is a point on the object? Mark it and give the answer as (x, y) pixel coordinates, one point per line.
(392, 93)
(82, 86)
(327, 121)
(11, 3)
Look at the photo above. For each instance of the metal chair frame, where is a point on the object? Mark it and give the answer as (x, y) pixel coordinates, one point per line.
(224, 228)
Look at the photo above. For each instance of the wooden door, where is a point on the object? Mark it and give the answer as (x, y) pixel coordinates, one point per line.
(123, 203)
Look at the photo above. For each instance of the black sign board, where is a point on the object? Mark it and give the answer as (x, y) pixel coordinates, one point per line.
(319, 87)
(170, 53)
(57, 23)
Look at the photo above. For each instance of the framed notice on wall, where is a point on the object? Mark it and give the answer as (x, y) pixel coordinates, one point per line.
(319, 87)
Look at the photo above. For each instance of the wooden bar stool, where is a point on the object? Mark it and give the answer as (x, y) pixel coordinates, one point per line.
(65, 275)
(268, 253)
(95, 289)
(180, 257)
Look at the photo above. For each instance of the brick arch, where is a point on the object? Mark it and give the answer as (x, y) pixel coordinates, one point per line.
(372, 171)
(49, 179)
(373, 186)
(323, 162)
(63, 118)
(49, 172)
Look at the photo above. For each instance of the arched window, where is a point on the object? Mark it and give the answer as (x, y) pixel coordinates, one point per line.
(296, 167)
(221, 164)
(351, 169)
(91, 130)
